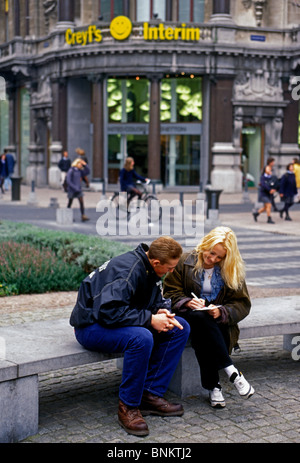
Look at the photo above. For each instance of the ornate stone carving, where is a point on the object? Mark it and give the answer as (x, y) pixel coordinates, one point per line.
(258, 7)
(49, 11)
(43, 94)
(257, 86)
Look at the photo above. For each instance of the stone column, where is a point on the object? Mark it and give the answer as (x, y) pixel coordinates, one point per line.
(226, 171)
(221, 11)
(98, 127)
(154, 130)
(58, 144)
(13, 115)
(65, 14)
(285, 125)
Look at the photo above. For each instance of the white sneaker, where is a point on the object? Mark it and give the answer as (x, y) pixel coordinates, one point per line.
(216, 398)
(244, 388)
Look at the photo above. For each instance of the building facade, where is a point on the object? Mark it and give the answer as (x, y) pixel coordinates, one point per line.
(197, 91)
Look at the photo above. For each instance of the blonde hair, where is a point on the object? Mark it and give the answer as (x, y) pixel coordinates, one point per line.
(80, 151)
(127, 163)
(232, 265)
(76, 162)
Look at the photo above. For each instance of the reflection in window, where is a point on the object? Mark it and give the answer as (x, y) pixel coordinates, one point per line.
(128, 100)
(180, 162)
(148, 9)
(181, 100)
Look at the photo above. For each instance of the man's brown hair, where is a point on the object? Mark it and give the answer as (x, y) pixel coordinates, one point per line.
(164, 249)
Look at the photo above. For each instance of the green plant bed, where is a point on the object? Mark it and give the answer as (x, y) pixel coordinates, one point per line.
(35, 260)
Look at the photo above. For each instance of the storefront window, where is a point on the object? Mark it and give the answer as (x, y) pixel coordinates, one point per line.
(180, 159)
(181, 100)
(128, 100)
(4, 130)
(121, 146)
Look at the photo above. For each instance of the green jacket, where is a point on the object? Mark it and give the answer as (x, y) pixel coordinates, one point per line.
(179, 285)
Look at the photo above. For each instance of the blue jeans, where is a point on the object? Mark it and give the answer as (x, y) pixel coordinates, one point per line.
(150, 358)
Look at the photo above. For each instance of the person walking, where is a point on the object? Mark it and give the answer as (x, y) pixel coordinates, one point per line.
(266, 191)
(10, 162)
(77, 171)
(64, 165)
(208, 289)
(274, 182)
(120, 308)
(297, 175)
(3, 171)
(288, 190)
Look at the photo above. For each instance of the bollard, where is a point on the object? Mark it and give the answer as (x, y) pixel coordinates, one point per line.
(54, 203)
(64, 216)
(15, 188)
(32, 201)
(212, 198)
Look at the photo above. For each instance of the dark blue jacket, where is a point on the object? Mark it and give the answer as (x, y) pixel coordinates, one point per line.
(10, 160)
(3, 169)
(128, 178)
(288, 184)
(124, 291)
(64, 164)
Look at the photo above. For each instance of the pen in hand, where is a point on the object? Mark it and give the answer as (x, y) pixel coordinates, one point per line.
(206, 308)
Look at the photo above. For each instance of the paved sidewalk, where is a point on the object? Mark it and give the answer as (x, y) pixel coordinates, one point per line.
(234, 211)
(80, 404)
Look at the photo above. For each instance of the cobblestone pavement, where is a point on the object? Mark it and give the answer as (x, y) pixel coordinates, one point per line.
(80, 404)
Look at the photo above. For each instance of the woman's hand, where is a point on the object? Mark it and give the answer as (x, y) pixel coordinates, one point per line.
(195, 304)
(215, 312)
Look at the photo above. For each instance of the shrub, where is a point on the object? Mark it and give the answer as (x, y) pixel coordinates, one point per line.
(31, 270)
(84, 251)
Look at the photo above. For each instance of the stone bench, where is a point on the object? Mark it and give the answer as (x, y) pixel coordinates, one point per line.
(268, 317)
(27, 350)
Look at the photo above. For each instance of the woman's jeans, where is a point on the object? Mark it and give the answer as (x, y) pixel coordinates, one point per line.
(150, 358)
(210, 340)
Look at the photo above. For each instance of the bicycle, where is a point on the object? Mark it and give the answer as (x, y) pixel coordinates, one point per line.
(128, 203)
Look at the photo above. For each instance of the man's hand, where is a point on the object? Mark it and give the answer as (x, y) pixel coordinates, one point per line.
(164, 321)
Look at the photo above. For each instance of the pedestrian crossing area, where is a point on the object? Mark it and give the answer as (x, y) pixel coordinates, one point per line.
(272, 260)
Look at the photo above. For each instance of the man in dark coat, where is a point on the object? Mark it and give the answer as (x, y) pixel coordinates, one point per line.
(120, 308)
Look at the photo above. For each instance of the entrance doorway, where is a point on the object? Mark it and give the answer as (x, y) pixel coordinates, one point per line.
(252, 154)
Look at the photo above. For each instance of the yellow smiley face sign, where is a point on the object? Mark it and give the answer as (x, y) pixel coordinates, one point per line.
(120, 27)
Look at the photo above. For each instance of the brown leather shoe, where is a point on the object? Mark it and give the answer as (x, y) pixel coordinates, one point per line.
(154, 405)
(131, 420)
